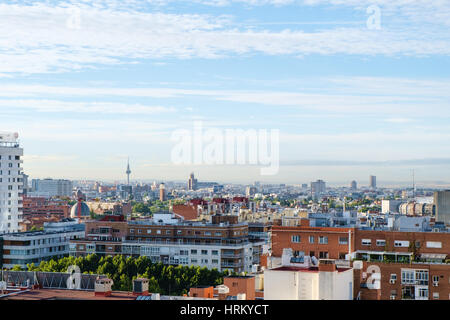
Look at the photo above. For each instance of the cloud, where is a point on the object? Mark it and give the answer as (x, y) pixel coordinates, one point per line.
(399, 120)
(55, 106)
(48, 158)
(352, 163)
(60, 37)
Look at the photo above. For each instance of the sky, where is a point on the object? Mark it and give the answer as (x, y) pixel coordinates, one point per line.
(354, 87)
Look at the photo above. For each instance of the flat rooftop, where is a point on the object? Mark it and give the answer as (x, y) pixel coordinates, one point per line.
(304, 269)
(61, 294)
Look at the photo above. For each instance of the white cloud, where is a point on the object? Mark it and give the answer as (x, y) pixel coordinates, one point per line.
(36, 38)
(55, 106)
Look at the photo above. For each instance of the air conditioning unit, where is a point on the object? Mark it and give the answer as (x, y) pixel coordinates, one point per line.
(393, 297)
(392, 281)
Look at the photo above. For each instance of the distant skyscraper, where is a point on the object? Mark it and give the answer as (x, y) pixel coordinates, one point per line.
(442, 202)
(373, 182)
(25, 184)
(162, 192)
(318, 188)
(192, 183)
(354, 185)
(128, 172)
(11, 182)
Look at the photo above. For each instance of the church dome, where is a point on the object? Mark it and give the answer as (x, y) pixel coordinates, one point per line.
(85, 211)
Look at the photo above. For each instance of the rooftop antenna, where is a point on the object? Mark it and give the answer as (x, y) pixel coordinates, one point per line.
(414, 185)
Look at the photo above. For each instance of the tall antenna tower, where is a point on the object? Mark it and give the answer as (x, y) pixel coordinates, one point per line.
(414, 184)
(128, 172)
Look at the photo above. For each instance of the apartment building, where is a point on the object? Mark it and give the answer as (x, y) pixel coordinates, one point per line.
(34, 247)
(11, 182)
(400, 281)
(52, 188)
(222, 244)
(42, 205)
(397, 246)
(320, 242)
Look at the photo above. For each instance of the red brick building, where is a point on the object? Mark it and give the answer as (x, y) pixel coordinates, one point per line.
(38, 205)
(400, 281)
(321, 242)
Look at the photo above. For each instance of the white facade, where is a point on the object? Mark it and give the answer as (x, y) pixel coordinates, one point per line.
(52, 188)
(294, 283)
(11, 183)
(33, 247)
(209, 256)
(390, 206)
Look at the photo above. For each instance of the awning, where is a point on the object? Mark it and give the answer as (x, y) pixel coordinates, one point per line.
(441, 256)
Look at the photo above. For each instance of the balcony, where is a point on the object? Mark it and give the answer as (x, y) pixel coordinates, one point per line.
(231, 255)
(230, 265)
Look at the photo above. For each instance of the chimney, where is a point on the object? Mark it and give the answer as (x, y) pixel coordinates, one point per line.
(140, 287)
(327, 265)
(103, 287)
(304, 222)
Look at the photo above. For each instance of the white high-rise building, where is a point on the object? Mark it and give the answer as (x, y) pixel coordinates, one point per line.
(11, 182)
(52, 188)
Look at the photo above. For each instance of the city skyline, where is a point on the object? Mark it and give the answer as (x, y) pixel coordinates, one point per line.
(350, 95)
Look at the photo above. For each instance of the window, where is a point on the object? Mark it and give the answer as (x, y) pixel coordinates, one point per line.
(204, 252)
(179, 232)
(381, 243)
(311, 239)
(218, 234)
(422, 277)
(434, 244)
(215, 261)
(401, 244)
(295, 239)
(193, 260)
(167, 231)
(158, 231)
(393, 276)
(207, 233)
(366, 242)
(343, 240)
(435, 295)
(193, 251)
(149, 231)
(423, 293)
(323, 240)
(323, 255)
(131, 230)
(214, 252)
(407, 276)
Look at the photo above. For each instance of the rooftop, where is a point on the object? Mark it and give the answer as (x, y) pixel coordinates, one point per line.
(61, 294)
